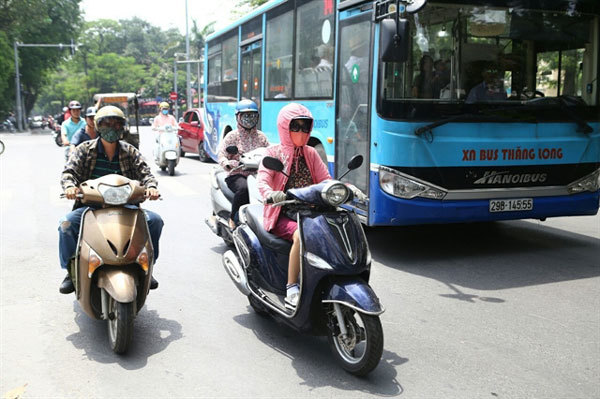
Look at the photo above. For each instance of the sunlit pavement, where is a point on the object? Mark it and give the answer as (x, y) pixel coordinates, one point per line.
(506, 309)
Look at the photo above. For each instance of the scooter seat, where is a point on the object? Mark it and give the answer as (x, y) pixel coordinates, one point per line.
(254, 216)
(223, 186)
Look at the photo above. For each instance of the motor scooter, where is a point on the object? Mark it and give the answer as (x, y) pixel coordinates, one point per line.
(167, 150)
(335, 297)
(8, 126)
(56, 136)
(112, 267)
(221, 196)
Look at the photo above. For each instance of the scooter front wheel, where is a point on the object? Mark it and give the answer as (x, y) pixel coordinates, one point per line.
(120, 324)
(359, 350)
(171, 166)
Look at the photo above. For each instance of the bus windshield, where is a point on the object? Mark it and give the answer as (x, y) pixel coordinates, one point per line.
(480, 57)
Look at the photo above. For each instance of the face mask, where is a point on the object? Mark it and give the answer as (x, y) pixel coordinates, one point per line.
(299, 138)
(165, 111)
(109, 134)
(248, 119)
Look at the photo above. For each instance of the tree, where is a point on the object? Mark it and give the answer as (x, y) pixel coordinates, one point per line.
(243, 6)
(35, 21)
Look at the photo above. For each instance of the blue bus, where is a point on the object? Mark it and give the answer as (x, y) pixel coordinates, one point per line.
(465, 110)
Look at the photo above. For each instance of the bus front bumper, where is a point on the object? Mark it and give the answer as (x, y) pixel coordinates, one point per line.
(387, 210)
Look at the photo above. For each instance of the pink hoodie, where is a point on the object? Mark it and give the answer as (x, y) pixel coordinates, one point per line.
(269, 180)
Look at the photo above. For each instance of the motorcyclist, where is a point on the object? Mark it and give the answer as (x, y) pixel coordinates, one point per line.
(304, 167)
(88, 132)
(95, 158)
(71, 125)
(164, 118)
(246, 138)
(61, 118)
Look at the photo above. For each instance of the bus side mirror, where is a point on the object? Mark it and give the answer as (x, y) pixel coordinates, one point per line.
(394, 49)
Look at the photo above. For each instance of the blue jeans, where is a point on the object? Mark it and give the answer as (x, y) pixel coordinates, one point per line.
(68, 233)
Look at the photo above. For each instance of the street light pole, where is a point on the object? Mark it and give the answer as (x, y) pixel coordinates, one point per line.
(187, 57)
(18, 90)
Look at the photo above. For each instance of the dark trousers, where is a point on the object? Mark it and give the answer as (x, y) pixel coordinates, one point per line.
(239, 185)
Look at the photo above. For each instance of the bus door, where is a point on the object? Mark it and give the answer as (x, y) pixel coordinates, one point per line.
(251, 69)
(352, 134)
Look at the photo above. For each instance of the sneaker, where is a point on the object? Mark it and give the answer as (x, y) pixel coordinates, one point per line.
(291, 300)
(153, 283)
(66, 287)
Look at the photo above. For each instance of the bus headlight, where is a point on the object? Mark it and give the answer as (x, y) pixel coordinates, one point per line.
(402, 186)
(590, 182)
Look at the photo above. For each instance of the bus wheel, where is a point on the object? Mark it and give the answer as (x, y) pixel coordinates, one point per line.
(321, 151)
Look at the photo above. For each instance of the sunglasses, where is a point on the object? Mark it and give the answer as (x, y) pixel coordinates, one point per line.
(304, 125)
(113, 122)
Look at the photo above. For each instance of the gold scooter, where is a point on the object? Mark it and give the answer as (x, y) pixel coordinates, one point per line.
(112, 267)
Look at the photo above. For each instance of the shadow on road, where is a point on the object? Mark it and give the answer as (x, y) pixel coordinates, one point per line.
(152, 334)
(486, 256)
(314, 363)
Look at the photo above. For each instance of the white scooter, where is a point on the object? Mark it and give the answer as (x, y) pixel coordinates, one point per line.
(221, 196)
(167, 149)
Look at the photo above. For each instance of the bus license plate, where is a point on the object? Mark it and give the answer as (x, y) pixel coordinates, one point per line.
(511, 205)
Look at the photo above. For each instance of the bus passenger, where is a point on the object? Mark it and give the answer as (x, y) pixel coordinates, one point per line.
(423, 84)
(246, 138)
(490, 89)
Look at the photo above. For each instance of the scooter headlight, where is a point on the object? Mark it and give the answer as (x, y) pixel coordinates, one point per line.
(335, 193)
(115, 195)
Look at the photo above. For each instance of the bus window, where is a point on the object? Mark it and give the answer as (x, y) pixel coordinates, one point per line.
(230, 66)
(214, 70)
(569, 82)
(314, 50)
(279, 48)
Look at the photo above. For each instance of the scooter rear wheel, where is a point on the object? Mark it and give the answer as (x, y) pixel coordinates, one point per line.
(120, 324)
(360, 351)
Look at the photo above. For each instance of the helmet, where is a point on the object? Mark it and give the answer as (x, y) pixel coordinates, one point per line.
(164, 105)
(65, 109)
(108, 111)
(245, 106)
(74, 105)
(90, 111)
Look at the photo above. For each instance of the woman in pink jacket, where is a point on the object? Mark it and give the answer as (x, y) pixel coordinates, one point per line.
(304, 167)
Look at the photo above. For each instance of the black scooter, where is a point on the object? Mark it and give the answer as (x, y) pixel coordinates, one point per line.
(335, 297)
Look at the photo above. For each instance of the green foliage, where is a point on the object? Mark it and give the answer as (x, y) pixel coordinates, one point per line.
(244, 6)
(34, 21)
(122, 56)
(7, 75)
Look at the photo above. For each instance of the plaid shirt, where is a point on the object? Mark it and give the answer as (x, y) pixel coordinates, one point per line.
(82, 161)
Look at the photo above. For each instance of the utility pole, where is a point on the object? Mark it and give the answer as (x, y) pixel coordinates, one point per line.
(187, 57)
(188, 62)
(175, 62)
(18, 89)
(19, 100)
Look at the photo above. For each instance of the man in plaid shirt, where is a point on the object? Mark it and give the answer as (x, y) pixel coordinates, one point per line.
(93, 159)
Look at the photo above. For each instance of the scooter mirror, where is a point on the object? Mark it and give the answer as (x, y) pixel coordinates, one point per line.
(232, 150)
(273, 164)
(355, 162)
